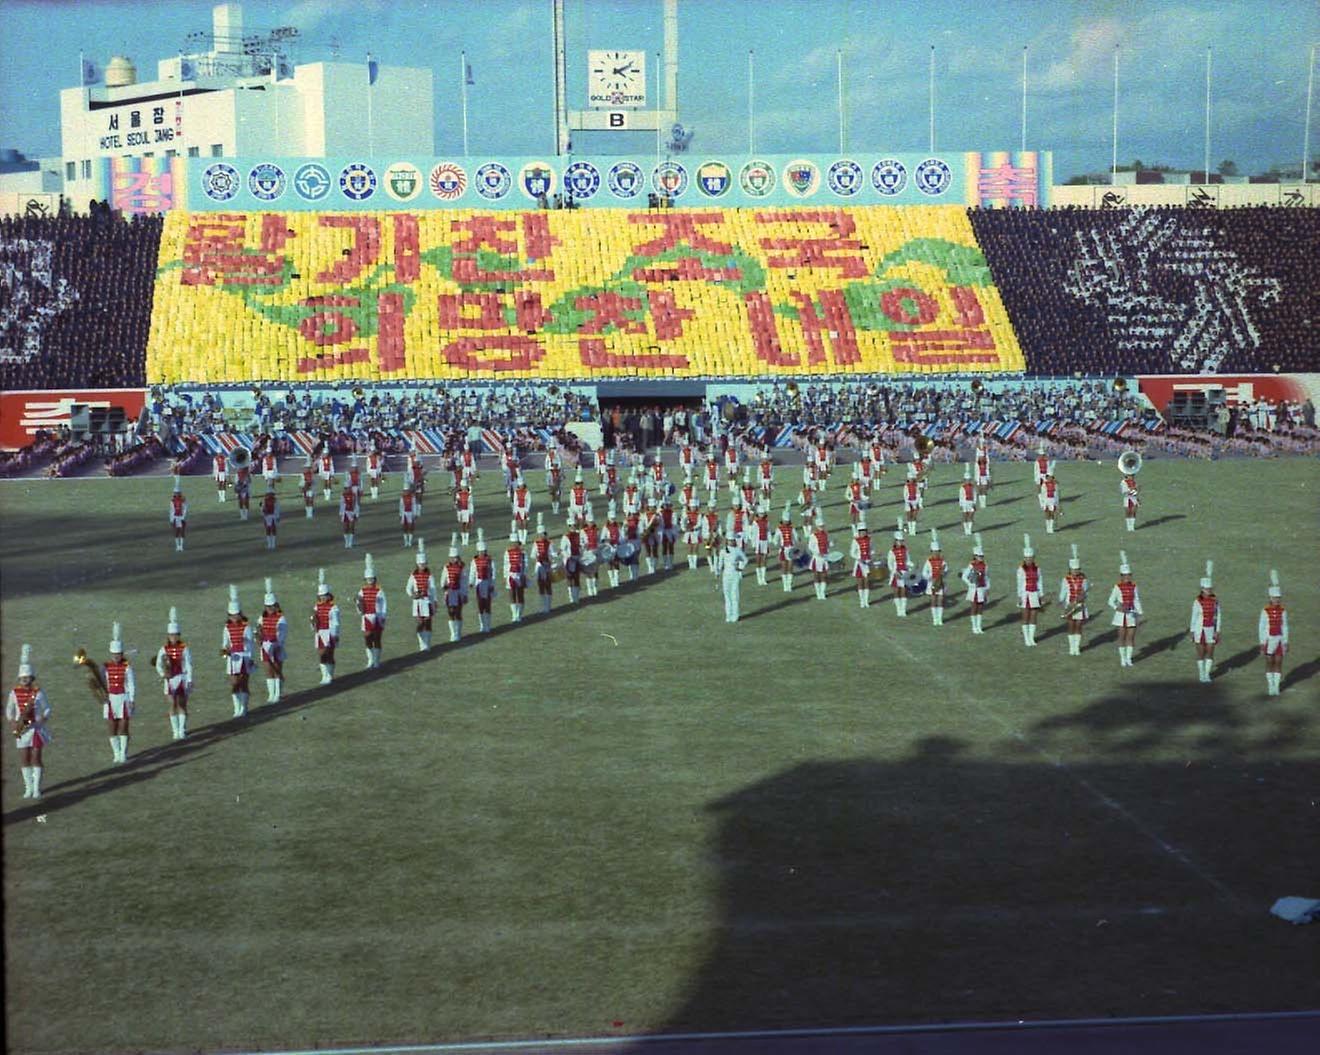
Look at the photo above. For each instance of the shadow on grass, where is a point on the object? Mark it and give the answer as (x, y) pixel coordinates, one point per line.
(1238, 661)
(1163, 644)
(1299, 674)
(1166, 519)
(1073, 525)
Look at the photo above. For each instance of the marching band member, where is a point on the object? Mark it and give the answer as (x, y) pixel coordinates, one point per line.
(878, 469)
(866, 471)
(121, 690)
(1049, 498)
(668, 532)
(1126, 603)
(967, 499)
(515, 574)
(898, 568)
(1029, 592)
(308, 487)
(272, 631)
(28, 711)
(481, 577)
(824, 457)
(270, 470)
(577, 498)
(522, 509)
(468, 465)
(327, 472)
(1273, 633)
(766, 476)
(270, 515)
(710, 534)
(243, 490)
(818, 544)
(1040, 468)
(861, 555)
(590, 554)
(712, 475)
(982, 475)
(732, 563)
(632, 536)
(408, 510)
(178, 514)
(371, 606)
(355, 479)
(933, 571)
(464, 507)
(977, 577)
(1205, 625)
(1131, 493)
(748, 490)
(348, 512)
(236, 648)
(735, 524)
(759, 533)
(659, 481)
(730, 460)
(692, 532)
(613, 536)
(609, 481)
(570, 555)
(512, 469)
(417, 476)
(632, 498)
(543, 557)
(455, 588)
(687, 461)
(858, 496)
(375, 471)
(807, 502)
(786, 545)
(554, 478)
(1072, 596)
(810, 476)
(912, 498)
(174, 665)
(687, 496)
(325, 627)
(220, 474)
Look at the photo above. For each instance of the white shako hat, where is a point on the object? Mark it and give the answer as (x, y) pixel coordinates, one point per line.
(934, 539)
(1124, 568)
(1074, 562)
(787, 514)
(172, 627)
(1275, 589)
(1208, 582)
(911, 470)
(322, 587)
(25, 667)
(1049, 469)
(898, 531)
(270, 487)
(116, 638)
(1027, 551)
(978, 550)
(819, 519)
(270, 598)
(612, 510)
(861, 524)
(1040, 447)
(368, 567)
(591, 519)
(481, 540)
(178, 484)
(353, 460)
(348, 482)
(421, 552)
(453, 544)
(577, 477)
(234, 607)
(737, 501)
(967, 471)
(540, 523)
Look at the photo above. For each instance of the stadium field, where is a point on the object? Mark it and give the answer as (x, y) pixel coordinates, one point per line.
(630, 816)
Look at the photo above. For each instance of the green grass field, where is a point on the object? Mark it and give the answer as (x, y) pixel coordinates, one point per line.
(820, 816)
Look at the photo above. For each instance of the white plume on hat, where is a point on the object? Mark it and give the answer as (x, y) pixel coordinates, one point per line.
(348, 482)
(1040, 447)
(116, 638)
(354, 460)
(737, 501)
(368, 567)
(234, 606)
(270, 598)
(788, 511)
(540, 523)
(861, 523)
(481, 540)
(1275, 589)
(1074, 562)
(322, 587)
(1208, 581)
(172, 627)
(819, 519)
(898, 531)
(577, 477)
(978, 550)
(1123, 567)
(911, 470)
(421, 552)
(590, 517)
(1049, 469)
(453, 544)
(934, 539)
(967, 471)
(612, 509)
(178, 484)
(25, 667)
(1027, 551)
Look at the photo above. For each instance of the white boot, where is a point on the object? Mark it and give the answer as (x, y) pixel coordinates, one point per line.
(632, 572)
(327, 673)
(455, 630)
(464, 537)
(27, 782)
(545, 604)
(820, 590)
(1131, 523)
(371, 658)
(36, 782)
(573, 595)
(484, 619)
(967, 527)
(650, 565)
(423, 640)
(614, 576)
(980, 501)
(237, 698)
(976, 624)
(692, 561)
(1049, 527)
(1074, 644)
(515, 613)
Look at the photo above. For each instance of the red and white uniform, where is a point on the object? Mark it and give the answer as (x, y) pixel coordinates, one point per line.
(348, 507)
(1205, 624)
(967, 496)
(865, 469)
(912, 494)
(632, 527)
(355, 481)
(543, 557)
(590, 543)
(27, 706)
(807, 498)
(861, 555)
(308, 484)
(731, 460)
(1072, 591)
(468, 465)
(1273, 629)
(687, 496)
(417, 473)
(711, 475)
(786, 536)
(1126, 603)
(810, 475)
(1040, 468)
(515, 566)
(1029, 584)
(668, 526)
(272, 629)
(570, 550)
(823, 458)
(736, 525)
(760, 533)
(577, 500)
(856, 496)
(121, 687)
(421, 588)
(766, 475)
(375, 467)
(463, 507)
(934, 571)
(481, 576)
(749, 496)
(611, 480)
(220, 470)
(325, 621)
(658, 475)
(174, 665)
(898, 564)
(522, 506)
(270, 510)
(178, 510)
(408, 510)
(977, 577)
(236, 640)
(1131, 495)
(242, 483)
(269, 466)
(327, 469)
(454, 582)
(692, 527)
(372, 607)
(710, 526)
(632, 500)
(1049, 494)
(982, 469)
(687, 460)
(614, 534)
(819, 545)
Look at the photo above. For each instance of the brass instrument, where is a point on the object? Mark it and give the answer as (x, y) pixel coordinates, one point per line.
(359, 392)
(978, 386)
(924, 445)
(1120, 384)
(240, 457)
(95, 683)
(1129, 463)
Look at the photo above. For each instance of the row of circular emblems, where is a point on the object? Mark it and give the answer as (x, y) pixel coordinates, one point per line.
(493, 181)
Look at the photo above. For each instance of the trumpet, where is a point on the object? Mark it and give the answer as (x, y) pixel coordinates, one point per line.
(95, 683)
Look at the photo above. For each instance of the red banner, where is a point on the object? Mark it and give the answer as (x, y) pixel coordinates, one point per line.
(23, 413)
(1238, 388)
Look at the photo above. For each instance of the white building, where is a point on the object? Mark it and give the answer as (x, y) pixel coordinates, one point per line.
(228, 103)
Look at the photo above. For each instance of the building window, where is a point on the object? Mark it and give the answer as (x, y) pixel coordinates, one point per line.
(149, 154)
(171, 153)
(217, 150)
(194, 151)
(87, 169)
(70, 170)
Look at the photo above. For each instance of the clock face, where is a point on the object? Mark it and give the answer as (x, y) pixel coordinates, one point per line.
(616, 78)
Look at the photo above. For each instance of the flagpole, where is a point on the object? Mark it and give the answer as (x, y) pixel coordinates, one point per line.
(658, 109)
(932, 98)
(1024, 99)
(371, 132)
(843, 139)
(1306, 133)
(751, 102)
(462, 82)
(1113, 163)
(1207, 115)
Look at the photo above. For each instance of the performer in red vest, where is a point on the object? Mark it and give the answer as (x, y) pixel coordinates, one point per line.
(174, 665)
(1072, 596)
(178, 514)
(28, 712)
(1030, 591)
(934, 571)
(1126, 603)
(325, 627)
(1273, 633)
(371, 606)
(121, 693)
(236, 648)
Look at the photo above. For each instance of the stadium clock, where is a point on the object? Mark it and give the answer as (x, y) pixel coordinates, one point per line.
(616, 78)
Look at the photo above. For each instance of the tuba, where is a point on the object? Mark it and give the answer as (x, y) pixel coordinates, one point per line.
(1120, 384)
(1129, 463)
(924, 445)
(95, 683)
(978, 386)
(240, 457)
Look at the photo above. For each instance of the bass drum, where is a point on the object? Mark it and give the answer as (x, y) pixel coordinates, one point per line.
(914, 583)
(834, 556)
(628, 551)
(605, 552)
(588, 559)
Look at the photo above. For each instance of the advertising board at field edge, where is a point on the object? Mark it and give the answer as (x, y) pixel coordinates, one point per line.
(1238, 388)
(22, 413)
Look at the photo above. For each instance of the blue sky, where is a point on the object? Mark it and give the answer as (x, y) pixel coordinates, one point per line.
(1259, 68)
